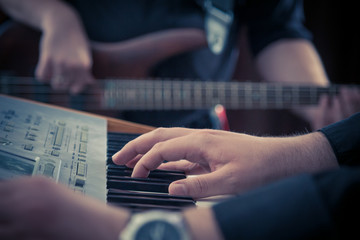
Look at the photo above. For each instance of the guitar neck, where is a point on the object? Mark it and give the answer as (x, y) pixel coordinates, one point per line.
(176, 95)
(149, 94)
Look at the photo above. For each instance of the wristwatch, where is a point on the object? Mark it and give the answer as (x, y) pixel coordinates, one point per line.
(156, 225)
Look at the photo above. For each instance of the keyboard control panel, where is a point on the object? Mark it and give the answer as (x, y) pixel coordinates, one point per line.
(66, 146)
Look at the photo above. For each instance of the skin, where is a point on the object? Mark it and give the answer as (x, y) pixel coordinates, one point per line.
(38, 208)
(237, 162)
(65, 58)
(297, 61)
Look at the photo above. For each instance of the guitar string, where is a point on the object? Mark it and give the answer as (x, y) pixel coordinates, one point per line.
(29, 81)
(81, 102)
(56, 97)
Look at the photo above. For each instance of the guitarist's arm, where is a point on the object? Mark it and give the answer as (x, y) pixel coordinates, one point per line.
(65, 57)
(296, 61)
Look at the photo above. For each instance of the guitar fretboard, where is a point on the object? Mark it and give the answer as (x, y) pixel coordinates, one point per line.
(147, 94)
(160, 94)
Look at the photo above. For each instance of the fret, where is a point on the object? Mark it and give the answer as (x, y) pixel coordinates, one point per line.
(241, 95)
(168, 98)
(108, 98)
(255, 95)
(198, 96)
(215, 93)
(248, 95)
(158, 95)
(288, 96)
(209, 94)
(177, 95)
(234, 95)
(149, 92)
(140, 93)
(295, 95)
(279, 97)
(263, 95)
(130, 94)
(187, 95)
(119, 94)
(271, 96)
(313, 95)
(222, 93)
(304, 95)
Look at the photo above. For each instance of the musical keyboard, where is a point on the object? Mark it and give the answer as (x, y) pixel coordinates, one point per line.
(75, 149)
(140, 193)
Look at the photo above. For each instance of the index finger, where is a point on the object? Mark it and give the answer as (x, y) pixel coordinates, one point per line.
(170, 150)
(145, 142)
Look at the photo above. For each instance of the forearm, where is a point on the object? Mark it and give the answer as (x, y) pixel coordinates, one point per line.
(304, 154)
(288, 156)
(41, 14)
(293, 62)
(308, 153)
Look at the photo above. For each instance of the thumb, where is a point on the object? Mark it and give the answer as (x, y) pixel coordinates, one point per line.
(194, 186)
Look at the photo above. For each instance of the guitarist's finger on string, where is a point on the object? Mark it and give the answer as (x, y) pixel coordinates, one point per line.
(145, 142)
(61, 78)
(44, 71)
(350, 100)
(173, 149)
(83, 79)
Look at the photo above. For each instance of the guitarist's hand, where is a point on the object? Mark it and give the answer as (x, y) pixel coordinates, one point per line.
(65, 58)
(335, 108)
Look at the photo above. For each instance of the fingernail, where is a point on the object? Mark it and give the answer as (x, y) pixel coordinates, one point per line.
(178, 189)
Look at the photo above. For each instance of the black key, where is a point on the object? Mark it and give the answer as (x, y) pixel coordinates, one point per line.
(137, 185)
(144, 199)
(135, 207)
(156, 174)
(112, 191)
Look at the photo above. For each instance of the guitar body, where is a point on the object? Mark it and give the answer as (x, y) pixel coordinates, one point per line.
(19, 47)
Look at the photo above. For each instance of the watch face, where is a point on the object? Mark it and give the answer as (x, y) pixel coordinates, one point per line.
(158, 230)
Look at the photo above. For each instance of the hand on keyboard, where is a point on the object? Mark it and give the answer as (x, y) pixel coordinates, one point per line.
(219, 169)
(224, 162)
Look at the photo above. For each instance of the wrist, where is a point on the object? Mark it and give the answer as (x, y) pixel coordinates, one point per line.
(202, 224)
(59, 18)
(308, 153)
(118, 220)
